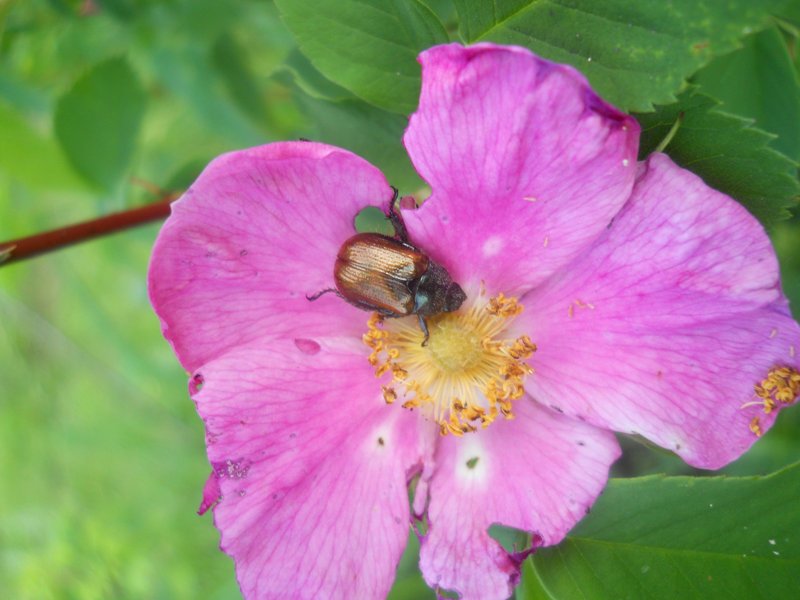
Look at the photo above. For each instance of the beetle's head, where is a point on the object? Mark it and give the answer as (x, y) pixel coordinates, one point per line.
(454, 297)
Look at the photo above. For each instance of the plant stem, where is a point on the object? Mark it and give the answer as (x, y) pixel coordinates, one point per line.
(48, 241)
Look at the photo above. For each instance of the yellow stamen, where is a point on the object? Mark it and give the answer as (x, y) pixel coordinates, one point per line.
(755, 426)
(467, 375)
(780, 386)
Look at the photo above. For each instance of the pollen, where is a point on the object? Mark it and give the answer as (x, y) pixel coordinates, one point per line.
(470, 372)
(780, 386)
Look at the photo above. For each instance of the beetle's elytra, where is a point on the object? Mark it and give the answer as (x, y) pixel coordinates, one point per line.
(392, 277)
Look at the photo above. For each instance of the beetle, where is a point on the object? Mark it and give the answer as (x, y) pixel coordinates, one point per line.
(391, 276)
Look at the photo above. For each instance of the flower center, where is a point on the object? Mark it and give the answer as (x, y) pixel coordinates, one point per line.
(469, 372)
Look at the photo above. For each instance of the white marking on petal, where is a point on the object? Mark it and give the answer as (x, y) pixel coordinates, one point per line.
(472, 460)
(625, 162)
(492, 246)
(377, 443)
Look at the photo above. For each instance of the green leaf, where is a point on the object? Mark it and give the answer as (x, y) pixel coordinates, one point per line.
(97, 121)
(230, 60)
(679, 537)
(635, 54)
(758, 81)
(727, 152)
(26, 154)
(310, 80)
(368, 47)
(368, 131)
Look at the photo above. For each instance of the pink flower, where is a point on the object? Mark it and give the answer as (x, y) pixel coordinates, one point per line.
(653, 302)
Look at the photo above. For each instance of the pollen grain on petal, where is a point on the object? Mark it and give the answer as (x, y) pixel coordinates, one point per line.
(469, 373)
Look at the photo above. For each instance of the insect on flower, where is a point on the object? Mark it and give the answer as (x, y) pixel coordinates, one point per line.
(670, 324)
(392, 277)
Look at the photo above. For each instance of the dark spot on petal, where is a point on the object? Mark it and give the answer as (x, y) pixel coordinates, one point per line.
(242, 252)
(557, 408)
(677, 446)
(305, 346)
(292, 435)
(472, 462)
(381, 442)
(444, 218)
(398, 520)
(274, 496)
(660, 374)
(581, 443)
(242, 493)
(588, 509)
(196, 383)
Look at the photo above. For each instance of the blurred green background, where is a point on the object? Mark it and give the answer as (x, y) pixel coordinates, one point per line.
(102, 459)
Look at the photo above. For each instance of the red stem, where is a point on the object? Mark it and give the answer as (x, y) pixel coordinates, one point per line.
(28, 247)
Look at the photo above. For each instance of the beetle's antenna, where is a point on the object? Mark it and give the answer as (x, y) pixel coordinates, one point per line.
(321, 292)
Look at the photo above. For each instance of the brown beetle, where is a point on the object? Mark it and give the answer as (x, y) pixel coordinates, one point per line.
(392, 277)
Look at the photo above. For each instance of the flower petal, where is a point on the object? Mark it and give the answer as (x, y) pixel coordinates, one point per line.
(526, 163)
(256, 233)
(540, 472)
(664, 328)
(312, 467)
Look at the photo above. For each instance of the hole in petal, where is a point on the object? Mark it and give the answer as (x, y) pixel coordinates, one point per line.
(372, 219)
(196, 383)
(306, 346)
(472, 462)
(512, 540)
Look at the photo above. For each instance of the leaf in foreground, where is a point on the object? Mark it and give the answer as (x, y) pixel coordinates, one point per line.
(680, 537)
(635, 54)
(368, 47)
(727, 152)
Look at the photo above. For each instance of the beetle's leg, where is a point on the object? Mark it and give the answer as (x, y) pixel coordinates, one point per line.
(396, 219)
(321, 292)
(424, 326)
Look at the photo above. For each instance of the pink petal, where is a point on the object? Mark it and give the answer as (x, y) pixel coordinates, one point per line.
(664, 328)
(540, 472)
(526, 163)
(312, 466)
(256, 232)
